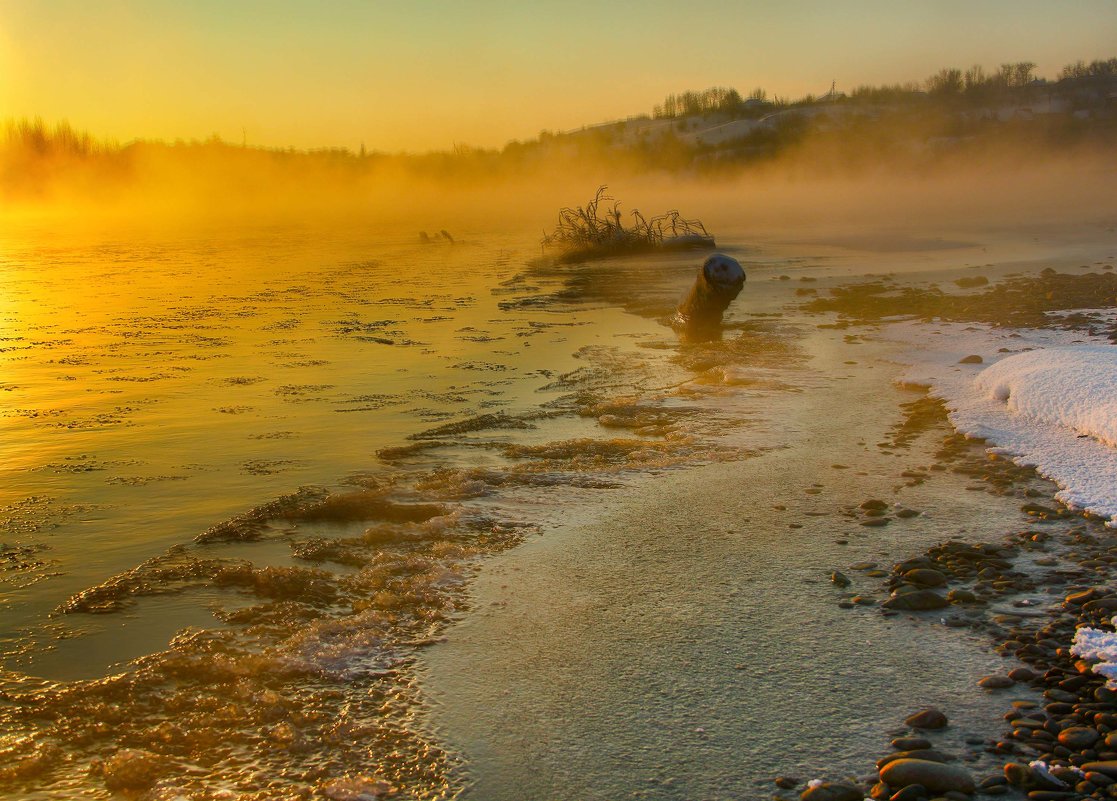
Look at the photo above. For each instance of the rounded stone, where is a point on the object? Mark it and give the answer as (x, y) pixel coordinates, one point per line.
(917, 600)
(913, 792)
(910, 743)
(935, 776)
(961, 596)
(1078, 737)
(1106, 767)
(929, 718)
(1019, 775)
(995, 682)
(929, 754)
(926, 577)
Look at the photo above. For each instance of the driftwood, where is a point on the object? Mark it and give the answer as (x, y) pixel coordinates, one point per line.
(598, 230)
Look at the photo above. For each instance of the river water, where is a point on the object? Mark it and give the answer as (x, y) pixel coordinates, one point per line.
(301, 510)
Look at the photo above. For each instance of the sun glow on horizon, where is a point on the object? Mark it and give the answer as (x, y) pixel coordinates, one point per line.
(433, 75)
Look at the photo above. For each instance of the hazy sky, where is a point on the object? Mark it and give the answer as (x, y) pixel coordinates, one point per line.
(420, 75)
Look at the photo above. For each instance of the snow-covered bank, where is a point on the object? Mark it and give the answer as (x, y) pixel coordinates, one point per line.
(1046, 397)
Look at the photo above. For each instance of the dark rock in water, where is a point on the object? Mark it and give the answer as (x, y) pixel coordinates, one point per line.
(913, 563)
(973, 358)
(1021, 674)
(935, 776)
(995, 682)
(786, 782)
(832, 791)
(876, 522)
(839, 579)
(1055, 694)
(930, 754)
(992, 781)
(926, 577)
(961, 596)
(910, 743)
(1019, 775)
(1079, 598)
(874, 505)
(918, 600)
(1033, 777)
(929, 718)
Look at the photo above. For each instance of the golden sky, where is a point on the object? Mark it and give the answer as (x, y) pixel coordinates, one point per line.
(425, 75)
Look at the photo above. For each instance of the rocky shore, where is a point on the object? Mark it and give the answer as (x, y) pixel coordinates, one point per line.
(1062, 745)
(1028, 594)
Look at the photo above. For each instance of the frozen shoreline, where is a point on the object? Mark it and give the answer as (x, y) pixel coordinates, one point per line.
(1042, 396)
(519, 597)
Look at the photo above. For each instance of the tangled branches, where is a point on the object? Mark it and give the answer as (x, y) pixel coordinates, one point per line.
(597, 230)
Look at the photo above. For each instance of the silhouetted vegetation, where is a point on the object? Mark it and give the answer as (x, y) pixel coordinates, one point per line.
(597, 230)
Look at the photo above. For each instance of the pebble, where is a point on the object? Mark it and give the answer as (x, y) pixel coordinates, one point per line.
(910, 743)
(995, 682)
(961, 596)
(839, 579)
(1107, 768)
(926, 577)
(917, 600)
(929, 754)
(929, 718)
(935, 776)
(1078, 738)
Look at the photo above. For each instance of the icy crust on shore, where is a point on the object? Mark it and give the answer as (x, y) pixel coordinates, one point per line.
(1073, 387)
(1044, 397)
(1100, 646)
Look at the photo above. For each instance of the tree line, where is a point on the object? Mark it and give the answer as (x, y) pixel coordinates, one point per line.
(975, 83)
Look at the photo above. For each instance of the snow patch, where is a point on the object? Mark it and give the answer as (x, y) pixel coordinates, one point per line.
(1047, 398)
